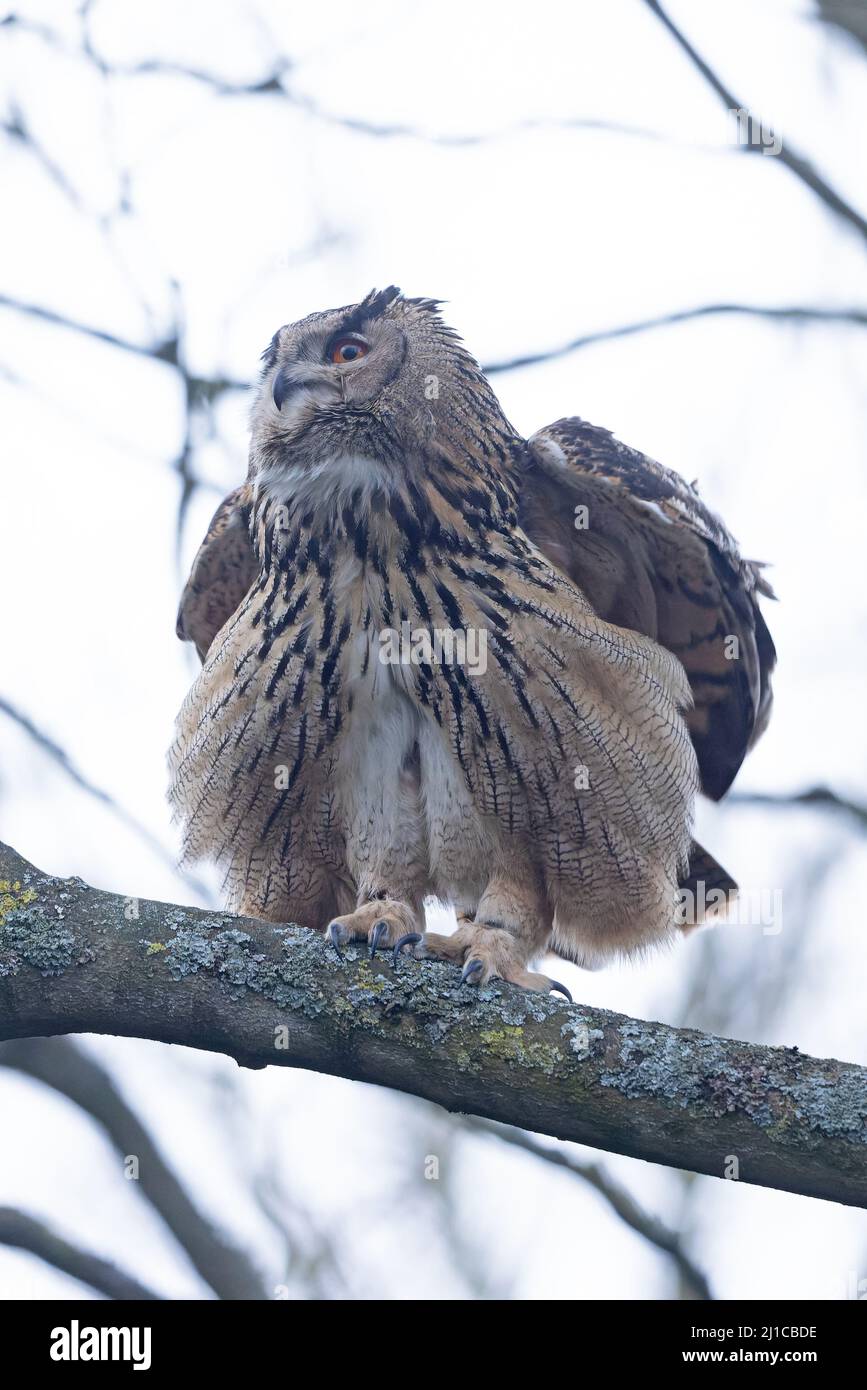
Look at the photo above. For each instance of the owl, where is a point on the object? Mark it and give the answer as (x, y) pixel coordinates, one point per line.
(444, 661)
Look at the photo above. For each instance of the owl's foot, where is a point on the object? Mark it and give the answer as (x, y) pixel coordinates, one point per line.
(380, 923)
(486, 953)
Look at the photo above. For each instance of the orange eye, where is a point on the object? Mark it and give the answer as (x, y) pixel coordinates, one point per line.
(347, 349)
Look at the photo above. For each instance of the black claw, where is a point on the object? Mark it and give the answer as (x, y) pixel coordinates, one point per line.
(376, 936)
(561, 989)
(409, 940)
(471, 968)
(333, 935)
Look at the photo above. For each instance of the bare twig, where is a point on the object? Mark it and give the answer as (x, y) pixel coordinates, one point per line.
(162, 350)
(388, 130)
(16, 128)
(59, 755)
(794, 313)
(619, 1200)
(276, 82)
(208, 389)
(74, 1074)
(822, 797)
(792, 160)
(165, 351)
(26, 1233)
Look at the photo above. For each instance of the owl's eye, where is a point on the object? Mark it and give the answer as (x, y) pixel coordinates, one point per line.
(347, 349)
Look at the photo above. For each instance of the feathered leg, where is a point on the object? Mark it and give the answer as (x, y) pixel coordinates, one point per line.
(511, 926)
(388, 860)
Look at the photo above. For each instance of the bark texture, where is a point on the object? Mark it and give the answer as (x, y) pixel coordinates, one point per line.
(74, 959)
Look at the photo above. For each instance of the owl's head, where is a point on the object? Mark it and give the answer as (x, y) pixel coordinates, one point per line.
(383, 382)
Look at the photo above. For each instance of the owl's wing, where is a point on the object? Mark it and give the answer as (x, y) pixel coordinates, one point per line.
(649, 555)
(222, 573)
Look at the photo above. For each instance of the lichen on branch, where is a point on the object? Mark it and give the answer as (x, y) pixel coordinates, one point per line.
(75, 959)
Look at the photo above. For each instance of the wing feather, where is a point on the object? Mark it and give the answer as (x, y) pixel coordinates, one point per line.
(653, 557)
(223, 571)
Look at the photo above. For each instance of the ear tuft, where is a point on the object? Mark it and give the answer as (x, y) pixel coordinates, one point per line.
(378, 300)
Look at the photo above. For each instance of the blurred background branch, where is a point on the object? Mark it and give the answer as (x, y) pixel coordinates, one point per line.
(180, 181)
(23, 1232)
(794, 314)
(821, 798)
(794, 161)
(694, 1281)
(58, 1063)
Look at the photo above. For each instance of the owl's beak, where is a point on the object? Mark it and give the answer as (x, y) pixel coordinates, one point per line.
(282, 388)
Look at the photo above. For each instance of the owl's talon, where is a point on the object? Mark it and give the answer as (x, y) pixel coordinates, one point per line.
(472, 967)
(560, 989)
(333, 935)
(379, 931)
(410, 938)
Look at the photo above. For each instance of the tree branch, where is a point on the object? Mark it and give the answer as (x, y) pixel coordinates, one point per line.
(822, 797)
(24, 1232)
(79, 1077)
(621, 1202)
(52, 749)
(795, 162)
(275, 81)
(73, 959)
(782, 313)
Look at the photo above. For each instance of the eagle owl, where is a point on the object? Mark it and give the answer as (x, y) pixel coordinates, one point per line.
(440, 660)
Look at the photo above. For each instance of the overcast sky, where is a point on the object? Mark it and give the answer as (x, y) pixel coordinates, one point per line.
(602, 186)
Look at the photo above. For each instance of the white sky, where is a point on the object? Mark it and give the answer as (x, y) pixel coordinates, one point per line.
(262, 212)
